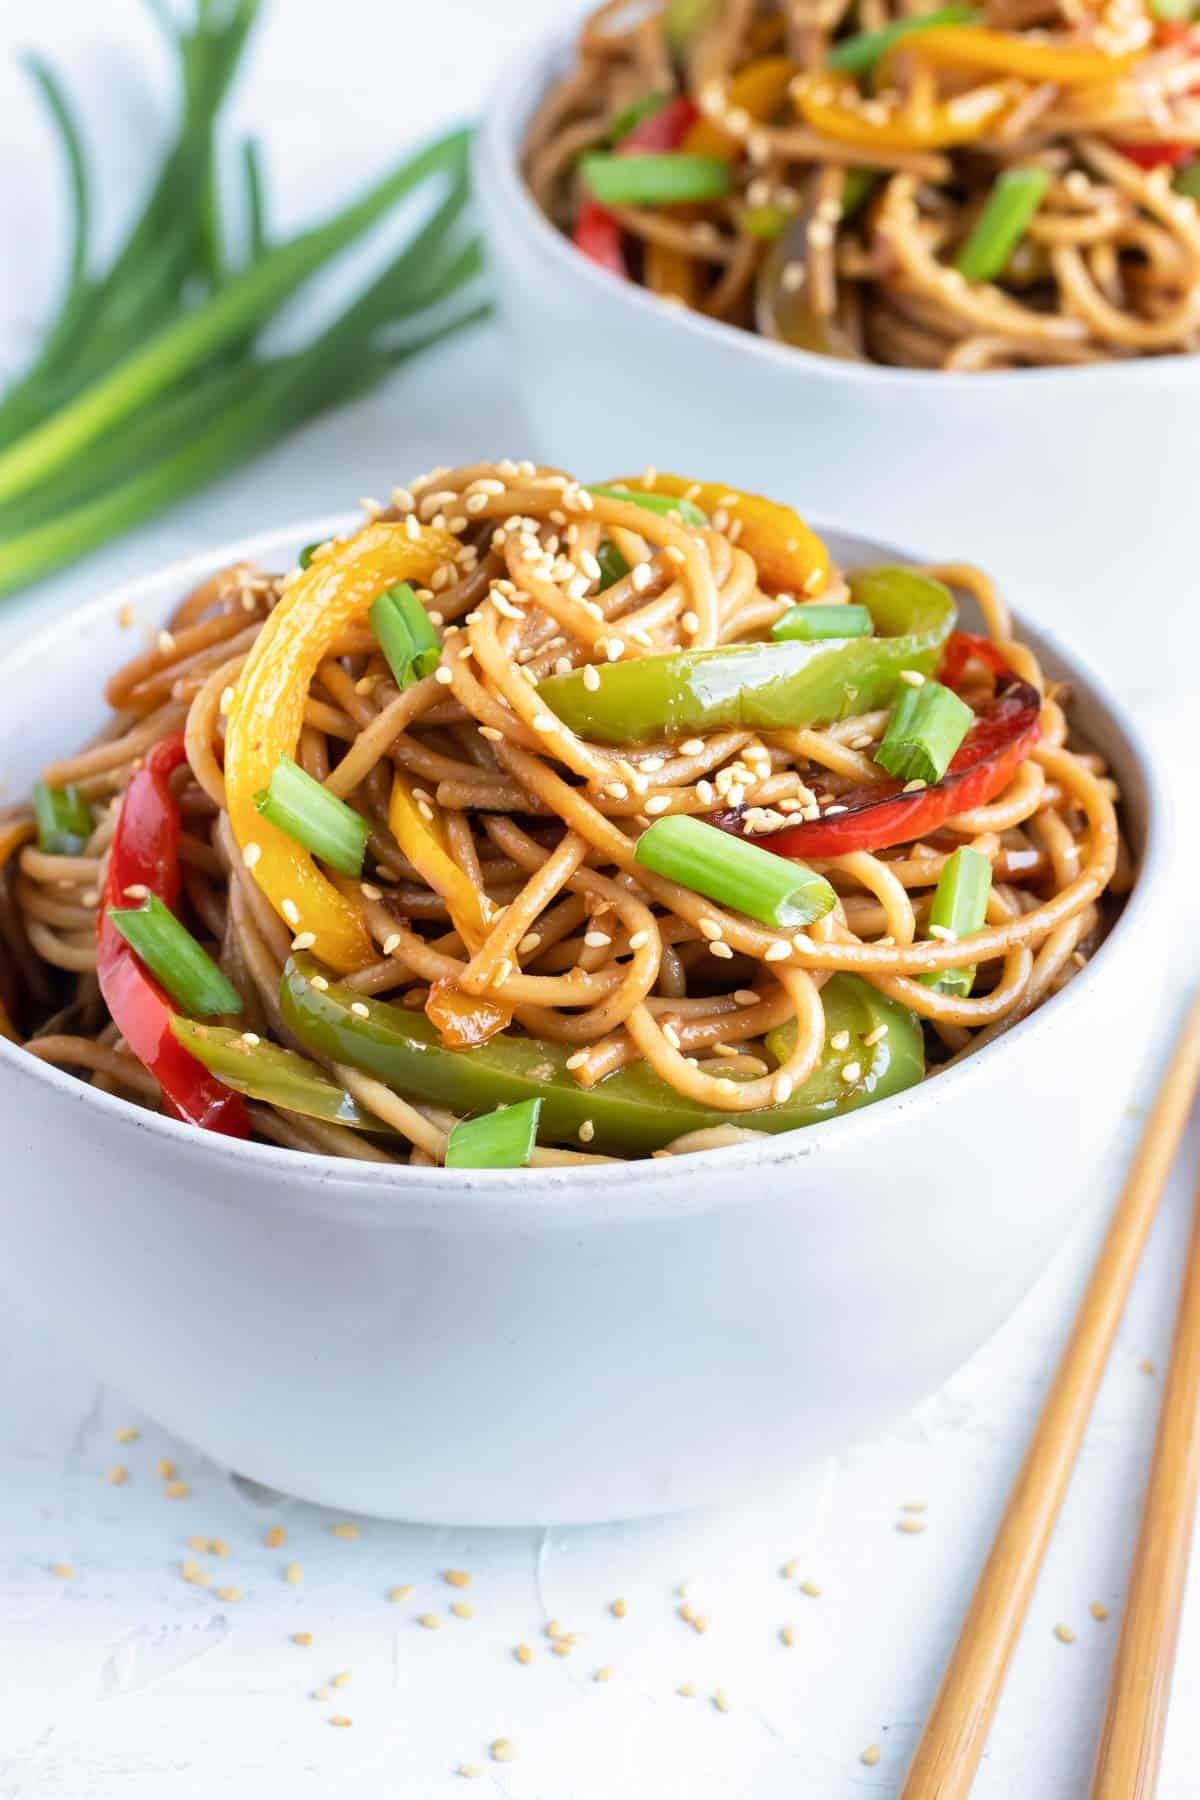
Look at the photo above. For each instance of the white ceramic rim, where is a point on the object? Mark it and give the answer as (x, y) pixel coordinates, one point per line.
(497, 163)
(392, 1185)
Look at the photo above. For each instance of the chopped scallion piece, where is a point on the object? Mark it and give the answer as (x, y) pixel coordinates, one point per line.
(634, 113)
(667, 506)
(503, 1139)
(810, 622)
(313, 816)
(927, 725)
(406, 636)
(653, 178)
(682, 20)
(959, 907)
(175, 959)
(1187, 181)
(1171, 10)
(306, 555)
(1006, 216)
(64, 819)
(612, 564)
(772, 889)
(857, 55)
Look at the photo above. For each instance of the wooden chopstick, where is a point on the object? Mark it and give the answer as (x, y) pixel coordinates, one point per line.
(1131, 1741)
(947, 1756)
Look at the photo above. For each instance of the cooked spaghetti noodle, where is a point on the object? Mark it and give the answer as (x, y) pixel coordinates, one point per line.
(502, 898)
(1013, 184)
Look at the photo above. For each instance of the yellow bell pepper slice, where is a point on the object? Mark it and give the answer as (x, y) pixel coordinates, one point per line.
(841, 113)
(1008, 53)
(789, 555)
(423, 843)
(760, 89)
(335, 591)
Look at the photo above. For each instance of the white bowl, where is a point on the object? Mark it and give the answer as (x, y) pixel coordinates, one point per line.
(553, 1345)
(1076, 486)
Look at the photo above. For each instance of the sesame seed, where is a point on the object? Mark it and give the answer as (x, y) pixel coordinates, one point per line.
(320, 983)
(467, 1770)
(251, 854)
(176, 1490)
(721, 1700)
(226, 701)
(396, 1594)
(911, 1527)
(391, 943)
(524, 1653)
(776, 952)
(341, 1720)
(443, 676)
(618, 1609)
(690, 623)
(360, 1011)
(875, 1037)
(503, 1750)
(719, 947)
(546, 722)
(64, 1570)
(304, 940)
(781, 1088)
(812, 1589)
(165, 642)
(576, 1059)
(275, 1537)
(638, 939)
(293, 1574)
(1098, 1610)
(430, 1621)
(1064, 1634)
(303, 1638)
(347, 1531)
(126, 616)
(457, 1578)
(787, 1635)
(871, 1755)
(605, 1673)
(658, 803)
(341, 1679)
(251, 1040)
(229, 1594)
(587, 1131)
(290, 911)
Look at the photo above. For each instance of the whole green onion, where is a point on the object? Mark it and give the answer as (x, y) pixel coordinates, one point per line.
(857, 55)
(959, 907)
(658, 178)
(810, 622)
(503, 1139)
(772, 889)
(314, 817)
(927, 725)
(63, 818)
(175, 959)
(1006, 217)
(667, 506)
(406, 636)
(632, 116)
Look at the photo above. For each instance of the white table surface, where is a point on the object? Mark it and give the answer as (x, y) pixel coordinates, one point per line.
(126, 1681)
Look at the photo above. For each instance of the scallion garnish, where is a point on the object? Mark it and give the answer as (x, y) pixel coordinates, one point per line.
(306, 555)
(667, 506)
(959, 908)
(1006, 216)
(857, 55)
(174, 958)
(1187, 181)
(653, 178)
(927, 725)
(406, 636)
(634, 113)
(63, 818)
(612, 564)
(772, 889)
(810, 622)
(316, 818)
(503, 1139)
(683, 19)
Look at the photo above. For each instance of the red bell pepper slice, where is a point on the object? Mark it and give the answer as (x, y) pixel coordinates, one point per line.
(597, 234)
(1157, 156)
(877, 817)
(664, 129)
(145, 854)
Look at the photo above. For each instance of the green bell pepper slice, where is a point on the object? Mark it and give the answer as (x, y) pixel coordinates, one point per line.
(632, 1111)
(768, 687)
(277, 1077)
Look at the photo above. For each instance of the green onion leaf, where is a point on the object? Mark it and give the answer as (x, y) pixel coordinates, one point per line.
(612, 564)
(959, 907)
(684, 19)
(64, 819)
(667, 506)
(634, 113)
(306, 555)
(503, 1139)
(927, 725)
(659, 178)
(175, 959)
(406, 636)
(858, 55)
(1006, 216)
(1171, 10)
(1187, 181)
(314, 817)
(810, 621)
(772, 889)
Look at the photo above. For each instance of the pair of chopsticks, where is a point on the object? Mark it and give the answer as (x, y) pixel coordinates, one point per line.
(947, 1756)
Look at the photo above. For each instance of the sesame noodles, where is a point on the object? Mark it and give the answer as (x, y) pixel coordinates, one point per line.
(516, 913)
(854, 182)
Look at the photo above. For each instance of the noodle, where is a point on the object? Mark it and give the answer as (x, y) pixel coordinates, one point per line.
(1107, 266)
(577, 944)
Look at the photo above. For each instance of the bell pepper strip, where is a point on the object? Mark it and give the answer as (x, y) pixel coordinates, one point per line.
(963, 647)
(663, 129)
(268, 712)
(789, 555)
(464, 1020)
(272, 1075)
(876, 817)
(840, 112)
(144, 858)
(633, 1111)
(758, 90)
(1166, 155)
(1013, 53)
(769, 687)
(597, 235)
(858, 55)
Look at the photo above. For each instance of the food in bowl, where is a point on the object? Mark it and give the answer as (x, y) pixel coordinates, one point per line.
(536, 822)
(963, 188)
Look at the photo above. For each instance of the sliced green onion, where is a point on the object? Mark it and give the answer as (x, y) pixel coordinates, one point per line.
(809, 622)
(313, 816)
(1171, 10)
(772, 889)
(64, 819)
(858, 55)
(634, 113)
(927, 725)
(667, 506)
(765, 222)
(174, 958)
(658, 178)
(306, 555)
(612, 564)
(406, 636)
(959, 908)
(1006, 217)
(503, 1139)
(682, 19)
(1187, 181)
